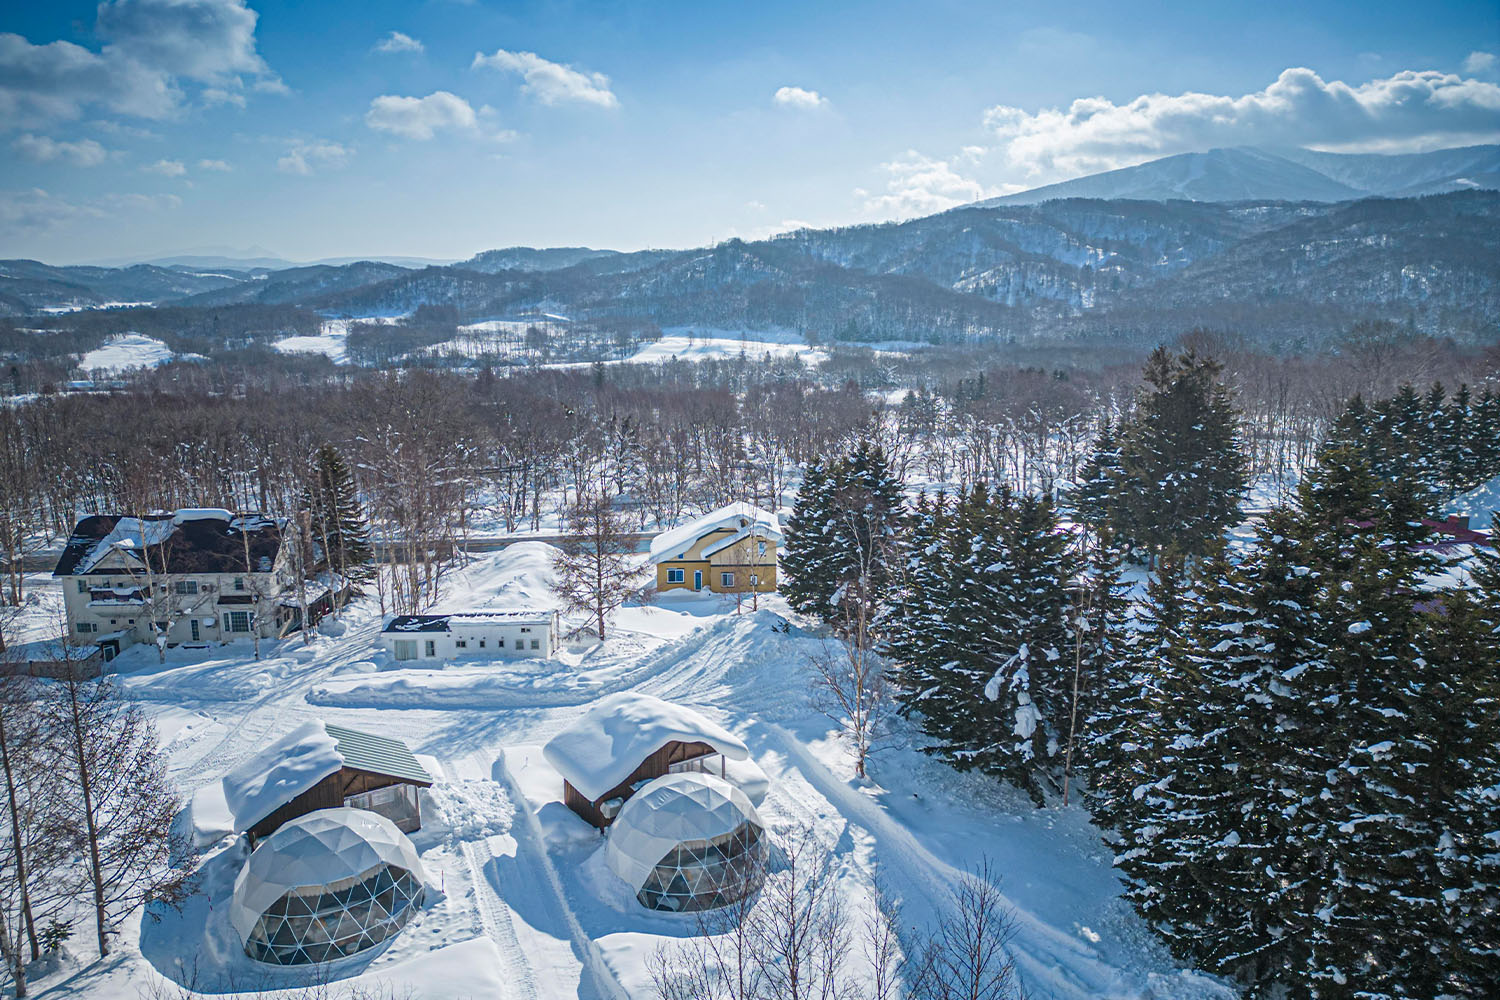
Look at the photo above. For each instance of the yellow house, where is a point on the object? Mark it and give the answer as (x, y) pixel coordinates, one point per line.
(731, 550)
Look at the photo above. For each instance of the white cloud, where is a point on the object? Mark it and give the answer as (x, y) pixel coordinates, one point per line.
(305, 158)
(920, 185)
(41, 149)
(1408, 110)
(421, 117)
(167, 168)
(36, 210)
(550, 82)
(397, 42)
(151, 48)
(219, 166)
(1480, 62)
(801, 100)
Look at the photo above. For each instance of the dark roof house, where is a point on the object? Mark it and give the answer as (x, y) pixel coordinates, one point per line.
(183, 542)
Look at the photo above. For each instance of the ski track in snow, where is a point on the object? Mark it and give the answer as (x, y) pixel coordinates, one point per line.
(914, 829)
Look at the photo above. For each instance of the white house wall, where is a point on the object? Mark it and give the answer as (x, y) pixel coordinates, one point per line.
(479, 641)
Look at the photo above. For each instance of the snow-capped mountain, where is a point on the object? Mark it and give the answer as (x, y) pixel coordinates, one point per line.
(1246, 174)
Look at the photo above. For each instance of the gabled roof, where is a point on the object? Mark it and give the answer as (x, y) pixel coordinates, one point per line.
(444, 623)
(304, 757)
(601, 749)
(191, 540)
(744, 519)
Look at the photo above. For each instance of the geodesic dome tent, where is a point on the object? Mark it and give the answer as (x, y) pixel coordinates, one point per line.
(325, 885)
(687, 841)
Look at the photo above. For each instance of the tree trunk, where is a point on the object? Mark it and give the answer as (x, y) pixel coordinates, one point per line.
(86, 785)
(16, 840)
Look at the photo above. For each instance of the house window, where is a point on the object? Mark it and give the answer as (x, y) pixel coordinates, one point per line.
(84, 628)
(481, 643)
(83, 586)
(535, 644)
(726, 579)
(406, 649)
(431, 647)
(194, 626)
(460, 643)
(237, 621)
(676, 576)
(500, 642)
(186, 586)
(239, 583)
(761, 547)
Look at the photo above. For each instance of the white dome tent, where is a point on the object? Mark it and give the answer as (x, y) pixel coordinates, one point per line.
(326, 885)
(687, 841)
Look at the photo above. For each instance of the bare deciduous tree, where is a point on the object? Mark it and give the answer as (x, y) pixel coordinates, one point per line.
(595, 569)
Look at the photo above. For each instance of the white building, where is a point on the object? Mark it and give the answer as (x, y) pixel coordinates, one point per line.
(194, 575)
(480, 634)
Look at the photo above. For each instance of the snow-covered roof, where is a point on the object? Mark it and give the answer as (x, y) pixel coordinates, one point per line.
(1479, 505)
(314, 850)
(304, 757)
(672, 810)
(191, 540)
(743, 518)
(602, 748)
(482, 616)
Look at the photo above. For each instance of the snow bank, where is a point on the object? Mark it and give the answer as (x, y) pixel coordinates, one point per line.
(600, 750)
(279, 773)
(126, 351)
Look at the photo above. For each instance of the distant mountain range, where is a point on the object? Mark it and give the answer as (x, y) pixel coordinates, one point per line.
(1244, 174)
(1179, 243)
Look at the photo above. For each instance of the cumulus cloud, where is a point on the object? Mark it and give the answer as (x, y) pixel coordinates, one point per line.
(218, 166)
(41, 149)
(1480, 63)
(550, 82)
(151, 49)
(421, 117)
(1408, 110)
(305, 158)
(801, 100)
(921, 185)
(167, 168)
(397, 42)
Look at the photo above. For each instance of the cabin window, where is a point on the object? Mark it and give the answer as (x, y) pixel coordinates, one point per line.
(406, 649)
(676, 576)
(83, 586)
(460, 643)
(500, 642)
(185, 586)
(194, 626)
(239, 583)
(535, 644)
(431, 647)
(726, 579)
(481, 643)
(237, 621)
(761, 548)
(87, 627)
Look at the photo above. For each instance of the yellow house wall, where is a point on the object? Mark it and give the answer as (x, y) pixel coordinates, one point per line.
(741, 559)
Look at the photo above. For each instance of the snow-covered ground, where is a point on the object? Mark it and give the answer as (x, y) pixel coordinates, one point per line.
(521, 904)
(330, 339)
(124, 352)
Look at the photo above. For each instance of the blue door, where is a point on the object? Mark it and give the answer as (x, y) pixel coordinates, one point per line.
(697, 579)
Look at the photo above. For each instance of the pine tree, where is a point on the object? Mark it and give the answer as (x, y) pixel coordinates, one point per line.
(1101, 500)
(1184, 471)
(844, 552)
(981, 634)
(337, 518)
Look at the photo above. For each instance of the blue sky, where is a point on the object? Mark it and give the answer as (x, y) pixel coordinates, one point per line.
(140, 127)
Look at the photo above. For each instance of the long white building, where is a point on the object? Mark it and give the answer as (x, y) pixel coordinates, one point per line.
(478, 634)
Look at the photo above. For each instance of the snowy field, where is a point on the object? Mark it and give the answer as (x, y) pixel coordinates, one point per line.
(124, 352)
(520, 903)
(330, 339)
